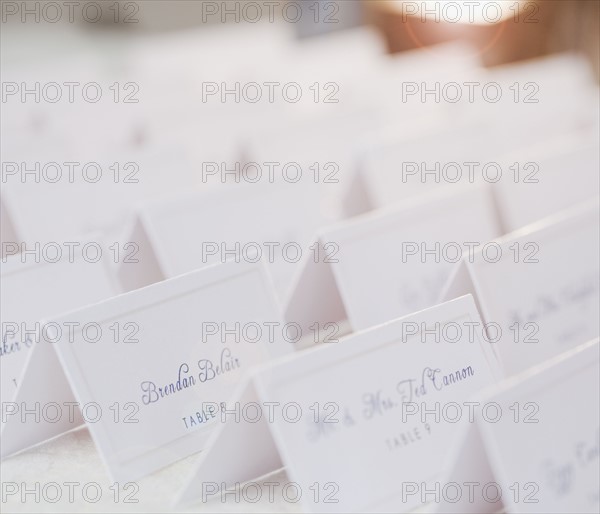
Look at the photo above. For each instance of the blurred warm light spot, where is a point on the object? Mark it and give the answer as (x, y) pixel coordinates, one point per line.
(474, 12)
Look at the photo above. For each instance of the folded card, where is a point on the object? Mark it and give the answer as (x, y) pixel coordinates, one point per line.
(321, 150)
(396, 165)
(538, 288)
(328, 137)
(501, 110)
(389, 263)
(543, 181)
(353, 421)
(531, 176)
(531, 93)
(102, 192)
(87, 182)
(141, 364)
(32, 289)
(534, 444)
(244, 223)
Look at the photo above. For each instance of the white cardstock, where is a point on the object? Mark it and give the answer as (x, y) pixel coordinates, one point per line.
(536, 449)
(542, 182)
(389, 263)
(141, 364)
(349, 400)
(538, 288)
(33, 289)
(274, 223)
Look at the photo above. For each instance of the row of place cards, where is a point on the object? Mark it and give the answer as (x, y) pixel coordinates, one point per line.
(159, 373)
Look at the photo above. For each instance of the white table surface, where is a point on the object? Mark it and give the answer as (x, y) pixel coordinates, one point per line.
(73, 457)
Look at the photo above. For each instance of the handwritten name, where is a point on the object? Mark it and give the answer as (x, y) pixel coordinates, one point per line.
(207, 370)
(431, 378)
(13, 346)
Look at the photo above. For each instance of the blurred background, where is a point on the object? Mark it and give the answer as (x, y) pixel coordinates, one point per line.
(156, 126)
(154, 99)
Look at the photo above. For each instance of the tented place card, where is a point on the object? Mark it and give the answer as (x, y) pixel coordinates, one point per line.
(91, 183)
(390, 263)
(533, 92)
(363, 399)
(535, 446)
(537, 289)
(401, 163)
(101, 193)
(543, 181)
(194, 230)
(168, 349)
(531, 177)
(33, 289)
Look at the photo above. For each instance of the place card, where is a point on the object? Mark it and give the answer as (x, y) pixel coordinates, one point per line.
(365, 399)
(102, 192)
(33, 289)
(142, 364)
(532, 91)
(538, 288)
(543, 180)
(389, 263)
(534, 447)
(501, 112)
(532, 177)
(240, 222)
(399, 164)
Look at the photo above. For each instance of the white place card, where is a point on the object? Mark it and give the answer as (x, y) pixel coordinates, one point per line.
(532, 174)
(103, 192)
(141, 364)
(397, 165)
(543, 181)
(189, 54)
(536, 449)
(534, 90)
(243, 223)
(397, 90)
(120, 160)
(469, 149)
(389, 263)
(363, 399)
(538, 288)
(321, 150)
(33, 289)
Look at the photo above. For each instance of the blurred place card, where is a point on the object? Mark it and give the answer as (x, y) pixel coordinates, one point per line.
(508, 108)
(327, 72)
(101, 191)
(409, 86)
(538, 288)
(33, 288)
(364, 400)
(555, 175)
(530, 95)
(241, 223)
(218, 50)
(535, 446)
(149, 369)
(399, 164)
(533, 174)
(389, 263)
(321, 150)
